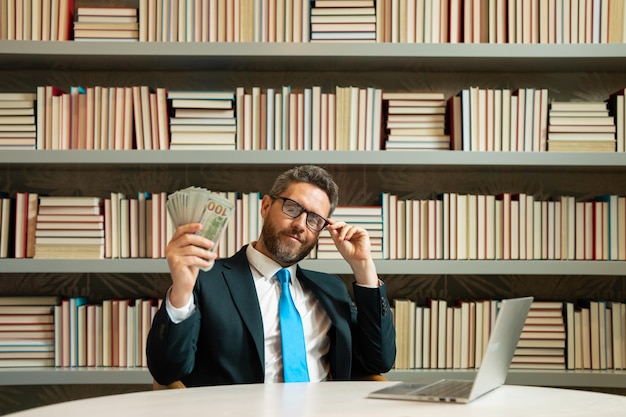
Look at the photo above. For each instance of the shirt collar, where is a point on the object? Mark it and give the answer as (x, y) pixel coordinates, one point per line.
(265, 266)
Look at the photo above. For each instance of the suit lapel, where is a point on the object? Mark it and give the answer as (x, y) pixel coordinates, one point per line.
(325, 294)
(241, 285)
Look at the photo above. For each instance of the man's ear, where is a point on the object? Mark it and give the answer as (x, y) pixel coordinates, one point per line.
(266, 202)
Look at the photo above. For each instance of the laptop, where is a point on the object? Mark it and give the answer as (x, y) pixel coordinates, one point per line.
(492, 372)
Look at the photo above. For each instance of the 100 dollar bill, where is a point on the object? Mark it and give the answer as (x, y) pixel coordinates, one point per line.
(195, 204)
(217, 212)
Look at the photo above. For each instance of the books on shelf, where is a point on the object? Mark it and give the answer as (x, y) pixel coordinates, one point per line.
(406, 126)
(112, 333)
(106, 23)
(444, 335)
(450, 226)
(545, 323)
(350, 118)
(574, 129)
(290, 21)
(202, 120)
(27, 331)
(456, 226)
(36, 20)
(617, 110)
(343, 21)
(17, 121)
(83, 239)
(94, 118)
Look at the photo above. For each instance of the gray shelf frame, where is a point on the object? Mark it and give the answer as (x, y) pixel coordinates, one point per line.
(103, 55)
(384, 267)
(444, 159)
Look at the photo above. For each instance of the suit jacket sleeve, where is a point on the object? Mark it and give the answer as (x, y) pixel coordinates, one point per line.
(373, 335)
(171, 347)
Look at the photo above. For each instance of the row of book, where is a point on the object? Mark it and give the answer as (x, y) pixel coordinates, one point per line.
(116, 118)
(36, 20)
(408, 21)
(589, 334)
(118, 226)
(503, 21)
(351, 118)
(526, 120)
(505, 226)
(282, 119)
(73, 332)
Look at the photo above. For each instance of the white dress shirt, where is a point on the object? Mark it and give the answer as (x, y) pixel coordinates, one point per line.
(315, 322)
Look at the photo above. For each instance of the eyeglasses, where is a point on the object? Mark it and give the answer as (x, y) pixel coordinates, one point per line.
(293, 209)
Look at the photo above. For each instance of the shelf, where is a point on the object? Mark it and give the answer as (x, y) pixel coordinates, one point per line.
(107, 56)
(79, 266)
(386, 62)
(441, 159)
(56, 376)
(571, 379)
(384, 267)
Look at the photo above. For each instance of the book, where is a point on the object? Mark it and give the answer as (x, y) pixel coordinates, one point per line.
(107, 19)
(576, 121)
(201, 104)
(343, 3)
(587, 136)
(82, 25)
(200, 95)
(106, 33)
(342, 11)
(29, 300)
(26, 309)
(581, 146)
(105, 11)
(26, 318)
(26, 362)
(582, 128)
(70, 205)
(578, 106)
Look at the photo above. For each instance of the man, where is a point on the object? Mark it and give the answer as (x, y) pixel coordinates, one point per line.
(222, 326)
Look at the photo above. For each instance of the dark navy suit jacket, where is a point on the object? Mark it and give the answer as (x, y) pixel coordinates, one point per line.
(222, 341)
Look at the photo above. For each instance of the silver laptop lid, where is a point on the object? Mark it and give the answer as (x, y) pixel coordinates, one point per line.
(503, 340)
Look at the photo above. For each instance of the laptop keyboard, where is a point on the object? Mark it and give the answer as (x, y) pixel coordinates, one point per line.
(448, 388)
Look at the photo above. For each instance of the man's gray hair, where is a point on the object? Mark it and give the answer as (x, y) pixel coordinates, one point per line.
(311, 174)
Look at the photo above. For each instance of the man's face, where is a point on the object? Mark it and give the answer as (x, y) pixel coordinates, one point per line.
(285, 239)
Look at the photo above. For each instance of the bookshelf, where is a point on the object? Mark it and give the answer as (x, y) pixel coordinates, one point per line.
(384, 267)
(311, 56)
(501, 161)
(32, 63)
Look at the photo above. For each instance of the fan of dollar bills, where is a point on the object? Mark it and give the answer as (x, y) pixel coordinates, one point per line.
(199, 205)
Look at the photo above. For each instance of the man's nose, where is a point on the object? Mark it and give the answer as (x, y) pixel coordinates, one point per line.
(300, 221)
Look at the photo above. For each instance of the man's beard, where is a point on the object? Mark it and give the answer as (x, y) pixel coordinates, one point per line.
(284, 253)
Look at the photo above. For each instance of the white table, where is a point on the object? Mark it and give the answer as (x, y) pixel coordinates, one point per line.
(332, 399)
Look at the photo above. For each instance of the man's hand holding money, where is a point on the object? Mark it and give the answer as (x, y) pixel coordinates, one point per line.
(200, 217)
(186, 253)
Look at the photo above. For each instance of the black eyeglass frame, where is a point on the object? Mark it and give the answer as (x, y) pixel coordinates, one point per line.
(302, 210)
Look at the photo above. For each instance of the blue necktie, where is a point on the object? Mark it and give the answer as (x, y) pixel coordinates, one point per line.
(294, 351)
